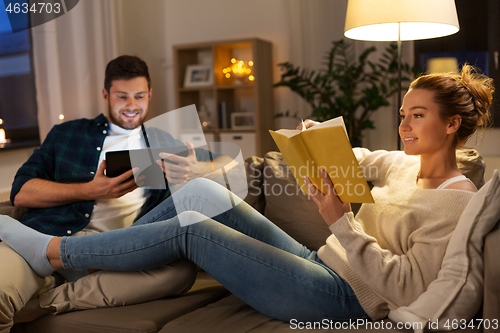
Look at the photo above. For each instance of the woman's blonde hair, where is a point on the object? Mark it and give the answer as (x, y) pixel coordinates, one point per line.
(468, 94)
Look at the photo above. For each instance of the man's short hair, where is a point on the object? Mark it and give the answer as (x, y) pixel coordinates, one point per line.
(125, 68)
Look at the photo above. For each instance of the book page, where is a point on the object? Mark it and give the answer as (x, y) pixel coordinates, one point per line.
(287, 132)
(339, 121)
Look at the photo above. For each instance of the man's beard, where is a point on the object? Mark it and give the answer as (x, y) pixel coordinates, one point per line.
(119, 122)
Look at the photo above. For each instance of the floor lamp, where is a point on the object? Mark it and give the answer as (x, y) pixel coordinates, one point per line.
(400, 20)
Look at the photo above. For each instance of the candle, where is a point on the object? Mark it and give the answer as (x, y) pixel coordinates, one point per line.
(2, 136)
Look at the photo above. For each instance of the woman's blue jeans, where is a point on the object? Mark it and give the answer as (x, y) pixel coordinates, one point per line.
(240, 248)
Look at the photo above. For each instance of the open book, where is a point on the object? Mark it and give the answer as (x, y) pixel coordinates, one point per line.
(325, 145)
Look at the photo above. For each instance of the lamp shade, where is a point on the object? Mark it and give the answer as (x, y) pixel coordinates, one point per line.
(378, 20)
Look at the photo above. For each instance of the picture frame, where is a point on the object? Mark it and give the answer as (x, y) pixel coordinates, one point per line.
(198, 76)
(242, 120)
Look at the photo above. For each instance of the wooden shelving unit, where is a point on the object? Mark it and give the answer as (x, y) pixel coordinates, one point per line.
(235, 96)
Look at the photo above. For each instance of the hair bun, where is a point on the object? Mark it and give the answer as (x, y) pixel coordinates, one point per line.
(480, 88)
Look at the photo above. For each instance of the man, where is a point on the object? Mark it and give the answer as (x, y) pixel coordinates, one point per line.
(66, 191)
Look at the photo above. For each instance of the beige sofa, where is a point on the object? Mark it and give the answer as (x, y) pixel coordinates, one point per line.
(209, 307)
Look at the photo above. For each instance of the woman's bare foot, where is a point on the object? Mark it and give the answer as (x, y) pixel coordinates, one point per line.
(53, 253)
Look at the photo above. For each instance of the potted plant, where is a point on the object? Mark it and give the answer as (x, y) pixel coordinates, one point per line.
(286, 120)
(352, 88)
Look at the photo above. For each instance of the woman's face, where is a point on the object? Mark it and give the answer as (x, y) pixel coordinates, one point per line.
(421, 128)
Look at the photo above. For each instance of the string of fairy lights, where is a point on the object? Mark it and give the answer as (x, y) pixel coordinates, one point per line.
(239, 69)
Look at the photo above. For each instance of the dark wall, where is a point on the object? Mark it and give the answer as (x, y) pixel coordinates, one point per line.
(479, 32)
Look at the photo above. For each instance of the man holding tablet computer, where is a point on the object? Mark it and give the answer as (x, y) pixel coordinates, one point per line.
(67, 192)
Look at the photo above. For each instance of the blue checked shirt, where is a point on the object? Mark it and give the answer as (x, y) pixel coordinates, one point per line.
(70, 154)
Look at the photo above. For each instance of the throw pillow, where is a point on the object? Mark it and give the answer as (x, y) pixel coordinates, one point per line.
(491, 302)
(471, 164)
(254, 168)
(457, 292)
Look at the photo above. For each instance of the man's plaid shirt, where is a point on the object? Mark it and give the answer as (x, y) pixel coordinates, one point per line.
(70, 154)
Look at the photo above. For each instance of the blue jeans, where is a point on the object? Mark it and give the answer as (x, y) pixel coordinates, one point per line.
(240, 248)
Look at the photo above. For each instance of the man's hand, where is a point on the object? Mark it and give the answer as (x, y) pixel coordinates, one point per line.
(103, 187)
(329, 204)
(40, 193)
(187, 168)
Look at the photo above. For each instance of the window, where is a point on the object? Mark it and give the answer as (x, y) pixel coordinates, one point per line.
(18, 109)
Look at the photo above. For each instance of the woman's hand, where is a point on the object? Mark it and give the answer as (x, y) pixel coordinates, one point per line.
(329, 204)
(308, 123)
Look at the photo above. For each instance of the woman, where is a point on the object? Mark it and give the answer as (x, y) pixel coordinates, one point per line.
(383, 258)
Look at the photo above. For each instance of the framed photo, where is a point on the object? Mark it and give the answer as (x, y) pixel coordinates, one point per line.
(198, 76)
(242, 120)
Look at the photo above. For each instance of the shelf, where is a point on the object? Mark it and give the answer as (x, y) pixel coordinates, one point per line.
(222, 87)
(190, 89)
(209, 130)
(254, 97)
(238, 86)
(233, 130)
(210, 88)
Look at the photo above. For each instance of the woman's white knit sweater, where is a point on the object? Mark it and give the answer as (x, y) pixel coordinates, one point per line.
(392, 250)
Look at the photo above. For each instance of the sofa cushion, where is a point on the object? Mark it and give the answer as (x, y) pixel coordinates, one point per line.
(491, 302)
(254, 167)
(227, 315)
(147, 317)
(232, 315)
(471, 165)
(288, 207)
(457, 292)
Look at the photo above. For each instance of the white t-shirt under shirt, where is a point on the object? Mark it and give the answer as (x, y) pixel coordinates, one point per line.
(109, 214)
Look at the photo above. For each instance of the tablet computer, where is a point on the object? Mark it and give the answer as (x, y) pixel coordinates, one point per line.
(120, 161)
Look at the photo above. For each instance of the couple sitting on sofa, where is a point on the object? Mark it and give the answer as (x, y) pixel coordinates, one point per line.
(382, 259)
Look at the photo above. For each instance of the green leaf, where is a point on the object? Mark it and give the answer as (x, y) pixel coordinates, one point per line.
(347, 86)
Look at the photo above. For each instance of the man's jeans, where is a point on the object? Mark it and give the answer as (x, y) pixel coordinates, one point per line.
(240, 248)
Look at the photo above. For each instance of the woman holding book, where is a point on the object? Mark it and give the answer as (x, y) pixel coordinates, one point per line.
(383, 258)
